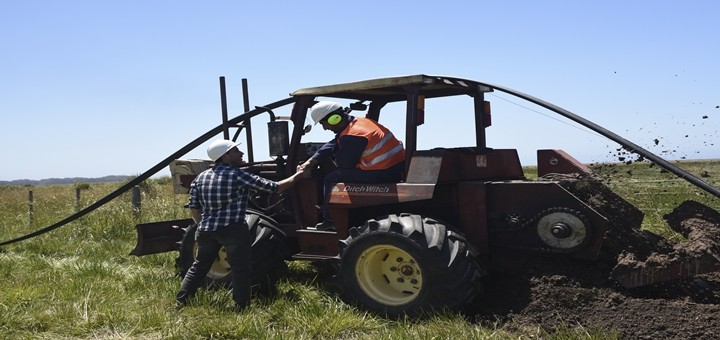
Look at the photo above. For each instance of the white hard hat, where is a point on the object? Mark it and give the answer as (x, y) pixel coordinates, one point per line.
(322, 109)
(219, 147)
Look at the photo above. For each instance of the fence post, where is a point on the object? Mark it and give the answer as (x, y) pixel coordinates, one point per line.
(30, 206)
(77, 199)
(136, 201)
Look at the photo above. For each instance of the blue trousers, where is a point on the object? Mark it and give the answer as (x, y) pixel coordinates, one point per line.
(237, 241)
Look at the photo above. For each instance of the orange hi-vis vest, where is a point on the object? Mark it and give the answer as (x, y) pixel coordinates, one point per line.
(382, 151)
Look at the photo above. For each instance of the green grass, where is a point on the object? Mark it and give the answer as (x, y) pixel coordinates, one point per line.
(657, 192)
(78, 281)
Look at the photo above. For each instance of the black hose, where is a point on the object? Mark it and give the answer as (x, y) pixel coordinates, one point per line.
(614, 137)
(137, 180)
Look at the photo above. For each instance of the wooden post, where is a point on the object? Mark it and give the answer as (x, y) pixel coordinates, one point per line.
(30, 206)
(136, 201)
(77, 199)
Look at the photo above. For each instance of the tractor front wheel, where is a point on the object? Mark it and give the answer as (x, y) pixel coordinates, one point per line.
(408, 264)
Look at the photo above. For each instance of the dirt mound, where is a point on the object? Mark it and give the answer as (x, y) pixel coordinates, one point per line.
(700, 254)
(557, 292)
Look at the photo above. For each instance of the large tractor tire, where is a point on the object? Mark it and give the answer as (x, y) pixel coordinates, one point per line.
(269, 251)
(408, 265)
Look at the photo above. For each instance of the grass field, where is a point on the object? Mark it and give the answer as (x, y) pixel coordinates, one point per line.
(79, 282)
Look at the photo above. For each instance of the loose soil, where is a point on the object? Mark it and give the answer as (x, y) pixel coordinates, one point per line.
(556, 292)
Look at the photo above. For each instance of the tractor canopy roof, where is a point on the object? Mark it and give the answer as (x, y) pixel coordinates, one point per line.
(394, 89)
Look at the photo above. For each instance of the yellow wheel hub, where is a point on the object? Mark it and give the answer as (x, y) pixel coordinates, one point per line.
(389, 275)
(220, 267)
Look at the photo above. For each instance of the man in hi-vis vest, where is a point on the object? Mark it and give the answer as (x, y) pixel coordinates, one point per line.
(364, 152)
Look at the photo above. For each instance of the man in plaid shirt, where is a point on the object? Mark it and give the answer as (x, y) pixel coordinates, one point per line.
(218, 199)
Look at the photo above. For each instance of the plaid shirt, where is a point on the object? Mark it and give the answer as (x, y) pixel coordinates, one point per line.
(221, 194)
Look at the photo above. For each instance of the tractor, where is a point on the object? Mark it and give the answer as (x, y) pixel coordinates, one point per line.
(426, 242)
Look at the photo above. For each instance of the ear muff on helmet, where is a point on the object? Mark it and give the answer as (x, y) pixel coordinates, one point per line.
(334, 119)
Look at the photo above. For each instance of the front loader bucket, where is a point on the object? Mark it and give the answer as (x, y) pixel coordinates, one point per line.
(159, 237)
(700, 254)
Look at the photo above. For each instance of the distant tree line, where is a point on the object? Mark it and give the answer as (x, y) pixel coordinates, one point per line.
(70, 180)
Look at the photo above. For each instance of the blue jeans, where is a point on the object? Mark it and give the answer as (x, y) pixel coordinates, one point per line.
(237, 242)
(355, 175)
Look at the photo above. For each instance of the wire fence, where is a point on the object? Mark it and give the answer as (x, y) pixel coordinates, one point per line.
(136, 202)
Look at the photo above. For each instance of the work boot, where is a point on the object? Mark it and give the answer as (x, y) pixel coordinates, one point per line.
(239, 308)
(326, 225)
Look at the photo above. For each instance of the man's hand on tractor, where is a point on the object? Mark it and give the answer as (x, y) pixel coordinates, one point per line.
(307, 166)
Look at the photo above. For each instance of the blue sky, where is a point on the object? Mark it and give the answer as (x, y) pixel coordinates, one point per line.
(95, 88)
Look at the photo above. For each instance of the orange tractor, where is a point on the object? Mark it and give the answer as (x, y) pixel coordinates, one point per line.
(427, 241)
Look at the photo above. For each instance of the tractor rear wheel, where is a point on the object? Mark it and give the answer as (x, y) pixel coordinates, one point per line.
(269, 251)
(408, 264)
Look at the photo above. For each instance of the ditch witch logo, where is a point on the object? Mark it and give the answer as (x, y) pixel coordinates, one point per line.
(363, 188)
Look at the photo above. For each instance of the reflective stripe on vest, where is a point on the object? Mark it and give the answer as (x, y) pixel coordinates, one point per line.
(382, 157)
(382, 151)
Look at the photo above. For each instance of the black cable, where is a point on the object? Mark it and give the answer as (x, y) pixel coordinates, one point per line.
(632, 147)
(137, 180)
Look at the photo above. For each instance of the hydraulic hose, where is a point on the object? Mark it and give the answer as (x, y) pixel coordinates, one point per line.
(614, 137)
(145, 175)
